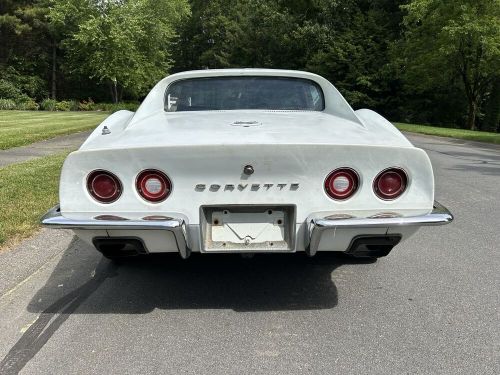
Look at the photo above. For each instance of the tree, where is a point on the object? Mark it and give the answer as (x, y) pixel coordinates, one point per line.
(125, 44)
(453, 39)
(23, 48)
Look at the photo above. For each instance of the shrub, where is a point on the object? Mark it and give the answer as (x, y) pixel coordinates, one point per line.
(9, 91)
(86, 105)
(112, 107)
(74, 105)
(28, 105)
(7, 104)
(63, 105)
(131, 106)
(48, 105)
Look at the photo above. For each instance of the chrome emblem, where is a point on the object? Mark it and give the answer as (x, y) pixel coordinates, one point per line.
(244, 186)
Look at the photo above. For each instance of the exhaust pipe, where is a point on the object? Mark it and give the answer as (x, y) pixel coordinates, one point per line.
(373, 246)
(118, 247)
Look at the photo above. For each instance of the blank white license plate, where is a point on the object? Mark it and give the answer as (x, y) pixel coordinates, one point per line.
(248, 229)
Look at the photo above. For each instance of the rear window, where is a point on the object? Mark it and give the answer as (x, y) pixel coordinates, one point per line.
(232, 93)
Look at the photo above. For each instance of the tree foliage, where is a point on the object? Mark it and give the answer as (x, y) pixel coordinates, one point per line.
(430, 61)
(122, 43)
(447, 40)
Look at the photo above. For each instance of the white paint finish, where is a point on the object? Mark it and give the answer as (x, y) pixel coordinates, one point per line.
(340, 239)
(206, 148)
(115, 123)
(307, 165)
(216, 128)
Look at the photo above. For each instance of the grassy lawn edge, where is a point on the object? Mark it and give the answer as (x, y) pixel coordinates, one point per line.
(21, 128)
(469, 135)
(27, 191)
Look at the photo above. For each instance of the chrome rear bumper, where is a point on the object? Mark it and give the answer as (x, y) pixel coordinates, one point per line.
(315, 227)
(54, 219)
(439, 216)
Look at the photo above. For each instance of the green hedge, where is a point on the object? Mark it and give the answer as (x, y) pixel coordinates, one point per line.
(28, 104)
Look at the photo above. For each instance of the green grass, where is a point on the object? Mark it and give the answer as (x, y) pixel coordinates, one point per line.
(27, 191)
(470, 135)
(20, 128)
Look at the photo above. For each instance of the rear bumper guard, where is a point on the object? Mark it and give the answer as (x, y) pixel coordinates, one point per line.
(440, 215)
(54, 219)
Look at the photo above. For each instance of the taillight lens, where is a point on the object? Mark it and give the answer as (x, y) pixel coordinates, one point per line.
(390, 183)
(104, 186)
(342, 183)
(153, 185)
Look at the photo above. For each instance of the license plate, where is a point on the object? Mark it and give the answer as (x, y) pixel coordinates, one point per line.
(248, 228)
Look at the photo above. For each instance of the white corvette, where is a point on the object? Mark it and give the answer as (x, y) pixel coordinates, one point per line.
(246, 160)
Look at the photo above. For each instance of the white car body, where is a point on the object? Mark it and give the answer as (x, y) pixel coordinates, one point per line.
(292, 152)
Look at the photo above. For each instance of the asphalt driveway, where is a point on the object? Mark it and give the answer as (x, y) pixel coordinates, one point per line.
(42, 148)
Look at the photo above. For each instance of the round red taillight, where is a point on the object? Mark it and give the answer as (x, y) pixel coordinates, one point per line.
(153, 185)
(342, 183)
(104, 186)
(390, 183)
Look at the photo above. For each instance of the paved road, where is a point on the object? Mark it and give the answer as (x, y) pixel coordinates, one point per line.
(42, 148)
(431, 307)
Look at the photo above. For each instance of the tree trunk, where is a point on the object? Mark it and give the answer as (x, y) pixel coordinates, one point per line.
(471, 114)
(114, 91)
(53, 90)
(492, 116)
(120, 93)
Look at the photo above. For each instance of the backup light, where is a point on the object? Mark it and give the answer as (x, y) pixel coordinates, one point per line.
(342, 183)
(153, 185)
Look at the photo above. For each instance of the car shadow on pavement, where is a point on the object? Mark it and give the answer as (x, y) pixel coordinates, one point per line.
(266, 282)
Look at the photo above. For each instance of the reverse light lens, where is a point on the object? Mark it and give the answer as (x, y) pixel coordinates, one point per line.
(153, 185)
(390, 183)
(342, 183)
(104, 186)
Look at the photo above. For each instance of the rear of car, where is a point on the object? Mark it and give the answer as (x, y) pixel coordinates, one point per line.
(246, 161)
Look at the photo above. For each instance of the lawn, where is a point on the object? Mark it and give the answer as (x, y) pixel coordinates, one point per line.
(19, 128)
(449, 132)
(27, 190)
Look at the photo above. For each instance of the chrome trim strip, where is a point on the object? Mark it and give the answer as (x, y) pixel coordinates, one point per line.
(54, 219)
(440, 215)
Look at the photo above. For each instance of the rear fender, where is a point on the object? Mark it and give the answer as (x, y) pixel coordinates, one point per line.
(115, 124)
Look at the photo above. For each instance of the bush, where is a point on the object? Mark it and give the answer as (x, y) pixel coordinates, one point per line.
(63, 105)
(19, 86)
(86, 105)
(9, 91)
(28, 105)
(112, 107)
(74, 105)
(7, 104)
(48, 105)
